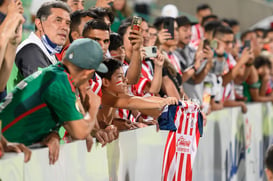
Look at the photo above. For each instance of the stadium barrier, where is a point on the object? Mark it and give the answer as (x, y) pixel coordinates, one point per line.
(232, 148)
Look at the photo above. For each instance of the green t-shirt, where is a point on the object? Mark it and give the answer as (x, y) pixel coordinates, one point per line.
(247, 88)
(117, 21)
(39, 104)
(14, 78)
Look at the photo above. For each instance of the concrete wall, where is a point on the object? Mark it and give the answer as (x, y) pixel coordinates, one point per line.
(232, 149)
(248, 12)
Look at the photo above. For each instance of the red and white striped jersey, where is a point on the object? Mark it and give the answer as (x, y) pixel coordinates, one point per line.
(139, 88)
(181, 146)
(96, 84)
(197, 35)
(146, 71)
(228, 90)
(125, 114)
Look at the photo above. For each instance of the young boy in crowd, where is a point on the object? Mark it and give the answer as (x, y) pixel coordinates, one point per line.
(114, 88)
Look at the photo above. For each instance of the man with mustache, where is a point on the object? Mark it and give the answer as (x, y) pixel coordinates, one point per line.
(52, 25)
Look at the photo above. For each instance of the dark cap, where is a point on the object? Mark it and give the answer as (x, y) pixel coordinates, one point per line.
(87, 54)
(183, 21)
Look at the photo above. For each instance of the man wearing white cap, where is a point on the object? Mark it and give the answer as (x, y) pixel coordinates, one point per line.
(169, 10)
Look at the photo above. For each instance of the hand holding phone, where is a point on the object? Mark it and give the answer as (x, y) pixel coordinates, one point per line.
(247, 44)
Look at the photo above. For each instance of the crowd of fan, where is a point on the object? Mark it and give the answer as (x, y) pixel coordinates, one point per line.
(205, 62)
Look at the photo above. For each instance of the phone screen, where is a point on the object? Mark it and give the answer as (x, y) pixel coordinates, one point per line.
(206, 43)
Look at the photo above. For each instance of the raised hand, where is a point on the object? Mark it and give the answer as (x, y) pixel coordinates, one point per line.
(15, 6)
(247, 56)
(136, 39)
(159, 60)
(12, 25)
(164, 35)
(104, 3)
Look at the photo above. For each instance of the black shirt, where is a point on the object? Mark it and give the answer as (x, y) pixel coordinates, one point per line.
(29, 58)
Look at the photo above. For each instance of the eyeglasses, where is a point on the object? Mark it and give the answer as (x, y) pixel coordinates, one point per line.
(227, 42)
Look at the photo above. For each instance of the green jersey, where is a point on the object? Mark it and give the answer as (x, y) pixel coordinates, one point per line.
(39, 104)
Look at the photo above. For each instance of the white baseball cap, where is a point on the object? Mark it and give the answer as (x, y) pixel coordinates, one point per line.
(169, 10)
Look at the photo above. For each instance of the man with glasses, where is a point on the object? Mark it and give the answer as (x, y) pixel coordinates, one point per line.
(228, 70)
(236, 69)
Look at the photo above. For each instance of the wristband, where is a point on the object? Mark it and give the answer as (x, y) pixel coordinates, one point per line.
(220, 55)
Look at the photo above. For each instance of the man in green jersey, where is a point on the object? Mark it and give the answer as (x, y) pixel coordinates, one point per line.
(47, 99)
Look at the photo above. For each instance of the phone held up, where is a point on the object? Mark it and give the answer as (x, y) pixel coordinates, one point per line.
(169, 25)
(247, 44)
(212, 44)
(150, 51)
(205, 43)
(136, 22)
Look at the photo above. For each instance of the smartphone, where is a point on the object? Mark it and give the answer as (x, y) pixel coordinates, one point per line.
(169, 24)
(214, 44)
(136, 23)
(150, 51)
(206, 43)
(247, 44)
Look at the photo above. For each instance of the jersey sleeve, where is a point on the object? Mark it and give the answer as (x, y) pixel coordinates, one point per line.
(139, 88)
(61, 99)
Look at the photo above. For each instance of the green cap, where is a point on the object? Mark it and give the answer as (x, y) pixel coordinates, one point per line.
(87, 54)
